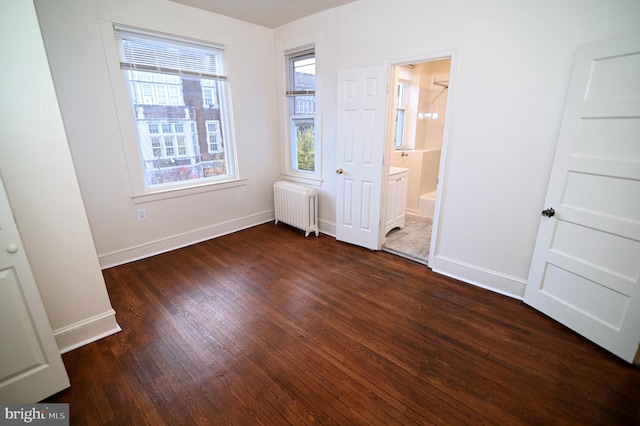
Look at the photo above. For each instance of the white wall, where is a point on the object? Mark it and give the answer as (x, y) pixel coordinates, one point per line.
(72, 36)
(42, 187)
(513, 66)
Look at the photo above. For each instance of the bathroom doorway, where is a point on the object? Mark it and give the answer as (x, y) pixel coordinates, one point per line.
(417, 132)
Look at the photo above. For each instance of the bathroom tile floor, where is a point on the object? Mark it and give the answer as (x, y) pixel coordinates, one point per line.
(412, 241)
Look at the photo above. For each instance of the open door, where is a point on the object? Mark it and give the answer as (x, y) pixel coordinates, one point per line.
(362, 100)
(586, 265)
(31, 368)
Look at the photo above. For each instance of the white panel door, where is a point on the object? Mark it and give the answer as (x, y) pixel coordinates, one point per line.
(586, 264)
(31, 368)
(361, 126)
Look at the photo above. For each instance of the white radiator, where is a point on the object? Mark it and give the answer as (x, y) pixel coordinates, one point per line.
(296, 205)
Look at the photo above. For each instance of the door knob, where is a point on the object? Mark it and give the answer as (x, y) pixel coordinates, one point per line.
(548, 212)
(12, 248)
(340, 171)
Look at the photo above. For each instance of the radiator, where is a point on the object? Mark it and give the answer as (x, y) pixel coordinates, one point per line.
(296, 205)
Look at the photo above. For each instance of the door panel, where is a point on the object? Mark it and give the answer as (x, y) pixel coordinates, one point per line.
(31, 368)
(15, 326)
(585, 269)
(361, 121)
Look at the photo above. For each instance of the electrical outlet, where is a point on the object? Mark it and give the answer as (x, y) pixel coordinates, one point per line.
(142, 214)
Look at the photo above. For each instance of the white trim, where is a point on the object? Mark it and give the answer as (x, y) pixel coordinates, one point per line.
(174, 192)
(127, 126)
(299, 42)
(163, 245)
(327, 228)
(302, 179)
(314, 40)
(452, 55)
(86, 331)
(495, 281)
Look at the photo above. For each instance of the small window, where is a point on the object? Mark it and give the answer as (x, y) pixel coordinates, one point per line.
(214, 137)
(301, 96)
(401, 107)
(209, 93)
(179, 95)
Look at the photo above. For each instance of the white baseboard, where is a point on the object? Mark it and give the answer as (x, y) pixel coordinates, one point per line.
(471, 274)
(152, 248)
(86, 331)
(481, 277)
(328, 228)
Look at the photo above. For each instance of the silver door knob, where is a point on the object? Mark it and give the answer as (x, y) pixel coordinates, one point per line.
(339, 171)
(12, 248)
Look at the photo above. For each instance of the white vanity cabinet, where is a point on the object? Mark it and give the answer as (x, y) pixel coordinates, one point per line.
(396, 198)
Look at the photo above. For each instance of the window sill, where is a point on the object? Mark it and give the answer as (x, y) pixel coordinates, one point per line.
(166, 194)
(313, 181)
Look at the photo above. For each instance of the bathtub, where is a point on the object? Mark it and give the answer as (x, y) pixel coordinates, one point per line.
(427, 204)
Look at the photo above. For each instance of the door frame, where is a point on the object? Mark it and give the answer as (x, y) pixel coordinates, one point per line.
(451, 54)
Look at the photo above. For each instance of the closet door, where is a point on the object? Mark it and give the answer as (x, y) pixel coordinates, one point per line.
(586, 266)
(31, 368)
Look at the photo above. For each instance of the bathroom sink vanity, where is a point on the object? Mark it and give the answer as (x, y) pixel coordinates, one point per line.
(396, 198)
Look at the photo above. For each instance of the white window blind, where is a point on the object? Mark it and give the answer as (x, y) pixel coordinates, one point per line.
(145, 52)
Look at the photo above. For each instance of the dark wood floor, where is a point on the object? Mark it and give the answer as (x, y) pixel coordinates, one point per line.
(265, 326)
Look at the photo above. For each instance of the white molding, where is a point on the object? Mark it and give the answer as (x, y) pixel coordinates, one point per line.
(328, 228)
(495, 281)
(413, 212)
(313, 181)
(300, 41)
(173, 242)
(86, 331)
(175, 192)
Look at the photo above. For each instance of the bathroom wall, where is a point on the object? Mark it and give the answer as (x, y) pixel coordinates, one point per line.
(429, 171)
(432, 104)
(424, 160)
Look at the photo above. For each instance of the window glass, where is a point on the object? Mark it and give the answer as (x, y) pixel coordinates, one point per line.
(301, 93)
(401, 106)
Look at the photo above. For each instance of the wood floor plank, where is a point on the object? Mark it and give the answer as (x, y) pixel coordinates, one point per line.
(264, 326)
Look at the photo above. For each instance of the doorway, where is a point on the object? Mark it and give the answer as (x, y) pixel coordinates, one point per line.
(418, 110)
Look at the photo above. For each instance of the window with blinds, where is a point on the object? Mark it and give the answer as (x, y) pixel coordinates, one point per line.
(301, 95)
(177, 88)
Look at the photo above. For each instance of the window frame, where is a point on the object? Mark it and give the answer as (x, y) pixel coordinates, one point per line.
(127, 121)
(401, 106)
(288, 153)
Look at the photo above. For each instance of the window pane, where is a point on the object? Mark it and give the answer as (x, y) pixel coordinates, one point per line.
(169, 116)
(168, 142)
(302, 109)
(399, 135)
(305, 105)
(303, 145)
(182, 148)
(304, 74)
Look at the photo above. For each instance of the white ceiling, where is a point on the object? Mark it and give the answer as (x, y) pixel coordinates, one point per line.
(268, 13)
